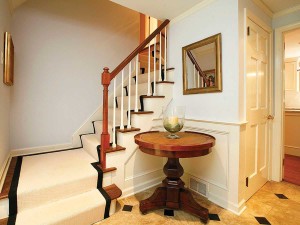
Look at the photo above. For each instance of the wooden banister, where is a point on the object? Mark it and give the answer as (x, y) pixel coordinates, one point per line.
(202, 74)
(138, 49)
(105, 137)
(106, 78)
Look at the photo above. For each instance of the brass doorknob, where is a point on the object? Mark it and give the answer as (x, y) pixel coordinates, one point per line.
(270, 117)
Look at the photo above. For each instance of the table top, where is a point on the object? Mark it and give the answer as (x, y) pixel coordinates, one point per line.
(190, 144)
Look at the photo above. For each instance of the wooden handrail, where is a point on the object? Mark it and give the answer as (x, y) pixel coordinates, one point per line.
(106, 78)
(202, 74)
(138, 50)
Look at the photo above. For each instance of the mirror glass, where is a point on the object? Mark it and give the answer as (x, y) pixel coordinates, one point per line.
(202, 66)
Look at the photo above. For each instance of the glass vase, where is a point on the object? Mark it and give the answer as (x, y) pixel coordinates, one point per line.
(173, 120)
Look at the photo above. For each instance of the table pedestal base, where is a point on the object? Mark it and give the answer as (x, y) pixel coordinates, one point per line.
(173, 194)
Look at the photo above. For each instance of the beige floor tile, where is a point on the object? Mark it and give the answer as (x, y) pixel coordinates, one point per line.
(263, 204)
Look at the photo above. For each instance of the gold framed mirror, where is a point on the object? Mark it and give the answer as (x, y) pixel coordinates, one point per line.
(202, 66)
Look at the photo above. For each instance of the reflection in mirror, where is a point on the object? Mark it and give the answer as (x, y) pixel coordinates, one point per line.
(202, 66)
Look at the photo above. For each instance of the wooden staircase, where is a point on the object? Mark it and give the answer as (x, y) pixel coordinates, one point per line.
(141, 100)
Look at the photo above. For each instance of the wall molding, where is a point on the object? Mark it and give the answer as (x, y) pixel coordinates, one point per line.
(41, 149)
(264, 8)
(292, 150)
(211, 132)
(141, 187)
(287, 11)
(145, 173)
(240, 123)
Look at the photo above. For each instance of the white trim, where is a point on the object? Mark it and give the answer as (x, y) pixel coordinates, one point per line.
(241, 123)
(264, 8)
(41, 149)
(237, 209)
(292, 150)
(277, 140)
(258, 21)
(191, 11)
(141, 187)
(286, 11)
(4, 169)
(142, 174)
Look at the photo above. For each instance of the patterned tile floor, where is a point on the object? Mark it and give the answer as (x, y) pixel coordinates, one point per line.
(275, 203)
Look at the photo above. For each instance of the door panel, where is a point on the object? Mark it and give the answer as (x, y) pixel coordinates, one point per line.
(257, 94)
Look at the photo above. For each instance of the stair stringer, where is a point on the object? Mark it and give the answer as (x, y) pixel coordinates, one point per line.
(137, 171)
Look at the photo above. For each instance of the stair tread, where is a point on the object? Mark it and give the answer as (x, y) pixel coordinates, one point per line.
(55, 172)
(70, 208)
(142, 112)
(164, 82)
(151, 96)
(126, 130)
(113, 191)
(115, 149)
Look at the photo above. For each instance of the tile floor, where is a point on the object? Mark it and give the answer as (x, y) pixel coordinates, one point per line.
(275, 203)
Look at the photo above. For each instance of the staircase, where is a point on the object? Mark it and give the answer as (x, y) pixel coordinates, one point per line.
(81, 185)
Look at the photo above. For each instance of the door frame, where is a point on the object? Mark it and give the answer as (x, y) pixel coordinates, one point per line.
(277, 140)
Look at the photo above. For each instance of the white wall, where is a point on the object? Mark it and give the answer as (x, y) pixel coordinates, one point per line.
(61, 47)
(205, 22)
(5, 19)
(287, 19)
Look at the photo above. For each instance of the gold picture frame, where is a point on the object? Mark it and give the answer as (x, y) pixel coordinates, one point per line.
(8, 67)
(196, 78)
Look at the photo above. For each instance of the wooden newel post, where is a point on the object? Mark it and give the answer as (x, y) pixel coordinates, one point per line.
(105, 138)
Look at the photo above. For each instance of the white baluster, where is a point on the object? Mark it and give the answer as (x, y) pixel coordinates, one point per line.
(122, 101)
(198, 78)
(165, 67)
(136, 82)
(129, 95)
(195, 76)
(114, 117)
(154, 68)
(149, 67)
(159, 56)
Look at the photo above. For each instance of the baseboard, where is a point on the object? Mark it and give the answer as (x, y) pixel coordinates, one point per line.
(42, 149)
(292, 150)
(4, 169)
(237, 209)
(141, 187)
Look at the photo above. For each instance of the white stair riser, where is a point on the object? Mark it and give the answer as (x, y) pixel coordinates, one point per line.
(155, 105)
(142, 121)
(125, 103)
(90, 143)
(142, 89)
(164, 89)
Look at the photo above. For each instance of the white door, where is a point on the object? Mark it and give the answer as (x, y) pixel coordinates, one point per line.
(257, 105)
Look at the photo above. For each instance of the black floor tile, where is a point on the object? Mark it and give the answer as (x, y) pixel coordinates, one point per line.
(169, 212)
(262, 220)
(127, 208)
(281, 196)
(214, 217)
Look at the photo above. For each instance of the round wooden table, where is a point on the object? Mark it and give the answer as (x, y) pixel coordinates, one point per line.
(172, 194)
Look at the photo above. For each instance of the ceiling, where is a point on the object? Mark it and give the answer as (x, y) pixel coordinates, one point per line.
(277, 6)
(160, 9)
(292, 44)
(173, 8)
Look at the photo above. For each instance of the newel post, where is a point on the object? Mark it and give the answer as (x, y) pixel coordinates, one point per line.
(105, 138)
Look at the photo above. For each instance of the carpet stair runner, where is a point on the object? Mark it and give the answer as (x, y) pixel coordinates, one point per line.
(58, 188)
